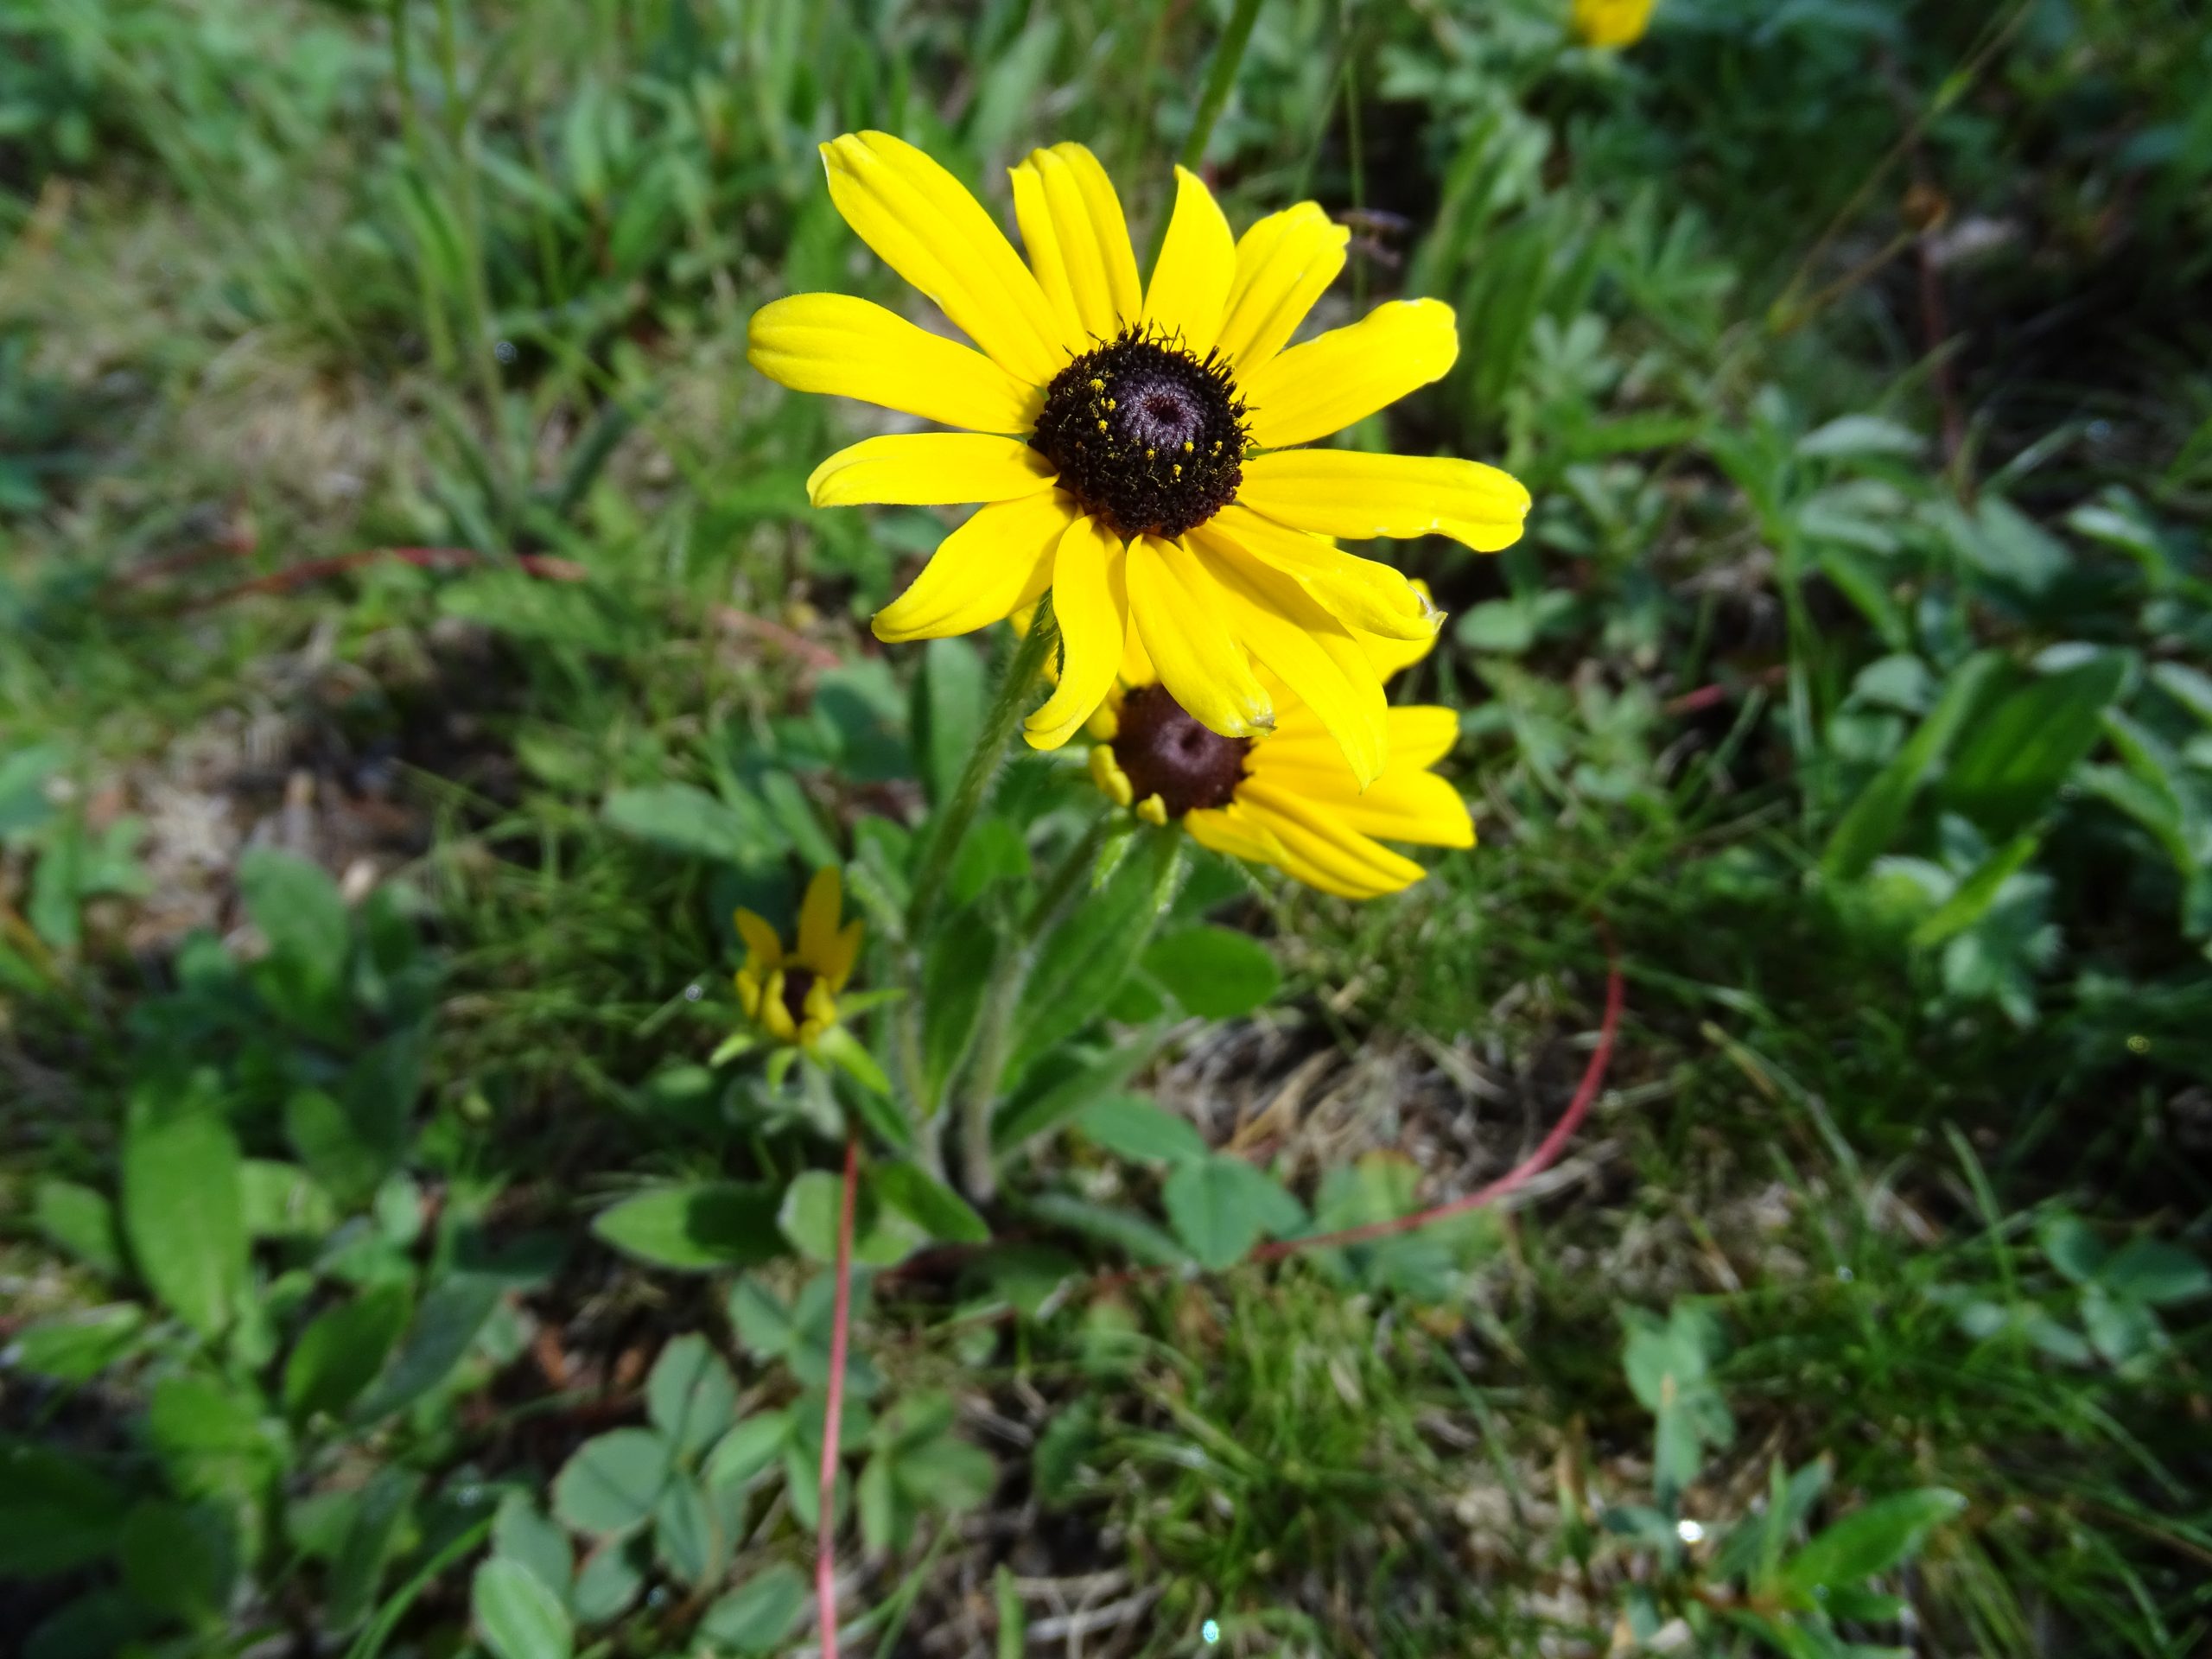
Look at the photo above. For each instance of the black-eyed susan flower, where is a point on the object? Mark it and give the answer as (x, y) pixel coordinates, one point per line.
(1289, 798)
(1611, 22)
(1136, 446)
(790, 996)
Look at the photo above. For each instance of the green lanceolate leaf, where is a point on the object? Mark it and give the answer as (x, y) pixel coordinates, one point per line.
(954, 979)
(1058, 1092)
(696, 1226)
(2011, 761)
(1972, 899)
(1129, 1126)
(1084, 962)
(212, 1438)
(341, 1351)
(380, 1517)
(929, 1204)
(297, 907)
(1145, 1241)
(1870, 1540)
(77, 1347)
(182, 1206)
(950, 696)
(684, 818)
(1874, 820)
(445, 1327)
(2154, 1273)
(82, 1221)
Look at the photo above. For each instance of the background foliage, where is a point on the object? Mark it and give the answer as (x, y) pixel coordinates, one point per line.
(415, 643)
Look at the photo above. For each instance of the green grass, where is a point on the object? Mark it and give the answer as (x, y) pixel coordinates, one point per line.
(283, 285)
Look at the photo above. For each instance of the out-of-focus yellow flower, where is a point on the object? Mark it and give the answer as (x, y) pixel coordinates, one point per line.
(1289, 799)
(1611, 22)
(1140, 449)
(792, 996)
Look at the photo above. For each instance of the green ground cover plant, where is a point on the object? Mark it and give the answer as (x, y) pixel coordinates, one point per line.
(1753, 1202)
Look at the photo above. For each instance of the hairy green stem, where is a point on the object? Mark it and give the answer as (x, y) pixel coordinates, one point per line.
(995, 1041)
(999, 721)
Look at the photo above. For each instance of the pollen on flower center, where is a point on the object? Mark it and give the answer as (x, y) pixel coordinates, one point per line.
(1166, 753)
(1146, 436)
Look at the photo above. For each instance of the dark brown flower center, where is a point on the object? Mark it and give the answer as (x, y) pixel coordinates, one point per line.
(1147, 437)
(798, 981)
(1164, 752)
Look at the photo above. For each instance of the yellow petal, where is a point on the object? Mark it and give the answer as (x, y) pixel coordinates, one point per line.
(763, 952)
(775, 1018)
(1405, 804)
(1347, 374)
(930, 469)
(1234, 833)
(844, 951)
(1337, 493)
(1422, 734)
(1078, 242)
(1190, 283)
(1136, 667)
(818, 919)
(1313, 654)
(1284, 263)
(921, 222)
(1611, 22)
(748, 992)
(1364, 594)
(847, 348)
(1348, 862)
(1090, 601)
(1178, 608)
(1000, 560)
(821, 1006)
(1388, 657)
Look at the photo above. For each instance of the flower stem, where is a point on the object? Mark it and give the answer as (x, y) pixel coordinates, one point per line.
(1001, 997)
(999, 721)
(825, 1528)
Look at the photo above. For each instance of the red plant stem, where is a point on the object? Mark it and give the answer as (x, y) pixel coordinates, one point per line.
(1547, 1152)
(825, 1527)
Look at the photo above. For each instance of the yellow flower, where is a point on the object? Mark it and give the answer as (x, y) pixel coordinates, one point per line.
(1134, 447)
(794, 998)
(1611, 22)
(1287, 799)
